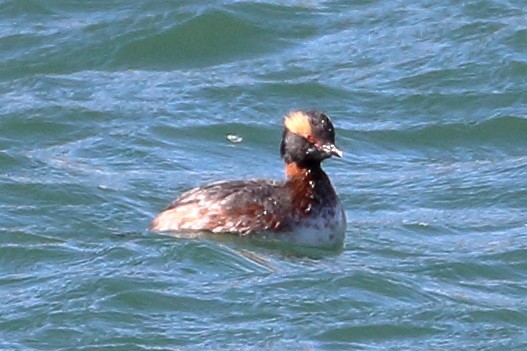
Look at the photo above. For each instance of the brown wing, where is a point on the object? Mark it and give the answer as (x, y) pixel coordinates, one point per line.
(241, 207)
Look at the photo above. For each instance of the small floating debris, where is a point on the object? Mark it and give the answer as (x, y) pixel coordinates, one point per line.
(234, 138)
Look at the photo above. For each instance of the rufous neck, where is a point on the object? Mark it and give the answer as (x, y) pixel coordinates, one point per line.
(308, 170)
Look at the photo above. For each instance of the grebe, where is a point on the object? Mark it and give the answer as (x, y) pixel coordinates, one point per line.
(303, 209)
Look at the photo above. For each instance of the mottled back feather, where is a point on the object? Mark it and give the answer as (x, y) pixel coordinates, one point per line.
(240, 206)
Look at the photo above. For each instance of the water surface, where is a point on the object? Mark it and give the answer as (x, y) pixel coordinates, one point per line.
(109, 110)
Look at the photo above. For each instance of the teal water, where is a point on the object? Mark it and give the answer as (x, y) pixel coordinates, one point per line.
(108, 110)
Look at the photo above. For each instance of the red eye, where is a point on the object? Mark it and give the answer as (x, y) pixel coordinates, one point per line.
(311, 139)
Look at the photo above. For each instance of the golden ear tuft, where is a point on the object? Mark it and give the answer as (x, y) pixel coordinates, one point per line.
(298, 122)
